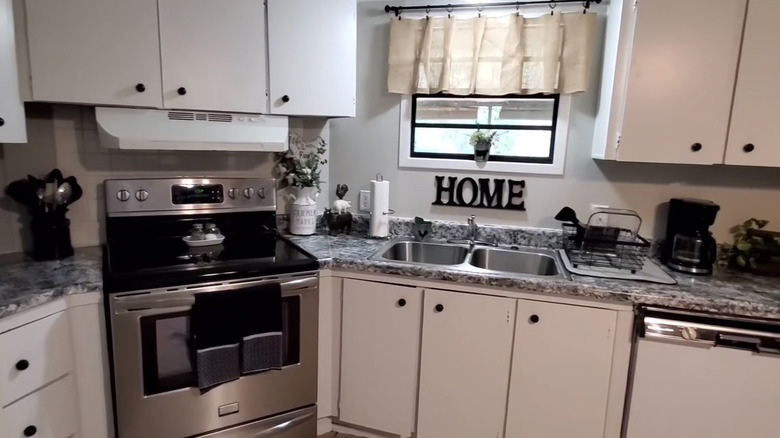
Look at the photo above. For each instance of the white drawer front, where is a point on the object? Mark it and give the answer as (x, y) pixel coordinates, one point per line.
(52, 411)
(33, 356)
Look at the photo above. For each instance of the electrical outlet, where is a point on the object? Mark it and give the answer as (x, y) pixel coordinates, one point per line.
(599, 220)
(364, 200)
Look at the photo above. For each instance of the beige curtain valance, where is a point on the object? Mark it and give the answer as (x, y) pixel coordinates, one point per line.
(494, 56)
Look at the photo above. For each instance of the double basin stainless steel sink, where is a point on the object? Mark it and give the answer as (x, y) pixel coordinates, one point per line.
(521, 262)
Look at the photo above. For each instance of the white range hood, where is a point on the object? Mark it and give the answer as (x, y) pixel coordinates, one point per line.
(130, 128)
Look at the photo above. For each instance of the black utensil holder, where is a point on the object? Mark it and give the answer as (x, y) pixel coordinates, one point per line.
(51, 238)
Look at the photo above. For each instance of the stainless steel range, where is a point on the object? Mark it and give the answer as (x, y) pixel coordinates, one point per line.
(152, 281)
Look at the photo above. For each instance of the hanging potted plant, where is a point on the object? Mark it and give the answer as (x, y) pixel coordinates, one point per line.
(482, 143)
(299, 169)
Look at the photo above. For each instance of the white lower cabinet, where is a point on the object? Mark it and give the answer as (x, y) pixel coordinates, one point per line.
(380, 356)
(464, 366)
(561, 371)
(48, 413)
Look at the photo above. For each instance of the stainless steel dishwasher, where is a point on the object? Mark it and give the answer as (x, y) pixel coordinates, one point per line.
(696, 375)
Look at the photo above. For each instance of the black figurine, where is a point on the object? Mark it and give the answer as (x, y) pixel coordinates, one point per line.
(337, 223)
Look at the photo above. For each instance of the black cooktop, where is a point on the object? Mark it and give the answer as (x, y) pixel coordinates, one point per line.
(148, 252)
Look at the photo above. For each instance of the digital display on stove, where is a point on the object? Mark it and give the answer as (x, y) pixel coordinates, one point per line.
(197, 194)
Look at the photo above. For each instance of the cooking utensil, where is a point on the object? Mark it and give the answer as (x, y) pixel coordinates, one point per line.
(567, 214)
(76, 190)
(55, 176)
(22, 192)
(63, 194)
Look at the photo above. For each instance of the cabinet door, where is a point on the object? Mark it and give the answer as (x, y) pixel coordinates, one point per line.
(95, 51)
(51, 412)
(213, 55)
(561, 369)
(464, 365)
(754, 138)
(12, 123)
(312, 57)
(681, 79)
(380, 352)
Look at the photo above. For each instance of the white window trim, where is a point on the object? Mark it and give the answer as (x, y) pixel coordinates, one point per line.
(405, 160)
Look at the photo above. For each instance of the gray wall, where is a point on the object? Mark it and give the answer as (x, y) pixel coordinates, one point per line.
(369, 144)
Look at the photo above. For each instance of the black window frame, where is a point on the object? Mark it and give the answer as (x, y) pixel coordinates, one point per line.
(556, 98)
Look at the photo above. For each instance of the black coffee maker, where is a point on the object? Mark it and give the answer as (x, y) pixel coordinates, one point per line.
(689, 246)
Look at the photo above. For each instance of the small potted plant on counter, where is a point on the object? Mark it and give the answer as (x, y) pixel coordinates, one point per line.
(299, 169)
(482, 143)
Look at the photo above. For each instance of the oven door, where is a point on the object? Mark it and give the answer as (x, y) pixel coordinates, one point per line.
(156, 394)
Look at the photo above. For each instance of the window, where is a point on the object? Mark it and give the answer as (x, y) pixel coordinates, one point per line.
(531, 132)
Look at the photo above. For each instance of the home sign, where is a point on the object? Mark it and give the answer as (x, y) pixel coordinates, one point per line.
(497, 193)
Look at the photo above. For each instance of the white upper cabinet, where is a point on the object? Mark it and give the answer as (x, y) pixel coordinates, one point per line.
(464, 366)
(754, 138)
(12, 123)
(669, 75)
(213, 55)
(312, 57)
(95, 51)
(380, 351)
(561, 371)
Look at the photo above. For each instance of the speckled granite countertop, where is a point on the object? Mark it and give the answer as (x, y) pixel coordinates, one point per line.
(723, 293)
(25, 283)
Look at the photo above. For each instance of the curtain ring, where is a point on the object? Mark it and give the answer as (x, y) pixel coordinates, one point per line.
(427, 12)
(480, 7)
(517, 7)
(552, 6)
(449, 11)
(585, 6)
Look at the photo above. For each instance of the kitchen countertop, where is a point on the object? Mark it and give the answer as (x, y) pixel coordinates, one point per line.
(724, 292)
(25, 283)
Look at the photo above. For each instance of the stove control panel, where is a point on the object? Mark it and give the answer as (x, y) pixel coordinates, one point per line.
(133, 197)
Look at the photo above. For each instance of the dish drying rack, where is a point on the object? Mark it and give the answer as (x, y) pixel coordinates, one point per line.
(616, 244)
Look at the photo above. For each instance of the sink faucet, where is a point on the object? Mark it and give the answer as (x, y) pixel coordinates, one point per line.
(471, 234)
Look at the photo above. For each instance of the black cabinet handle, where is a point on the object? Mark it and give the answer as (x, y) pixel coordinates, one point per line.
(696, 147)
(534, 319)
(22, 365)
(401, 302)
(182, 91)
(30, 430)
(748, 147)
(140, 88)
(285, 98)
(2, 122)
(438, 308)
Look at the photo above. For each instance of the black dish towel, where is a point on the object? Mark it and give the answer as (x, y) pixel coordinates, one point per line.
(216, 334)
(261, 328)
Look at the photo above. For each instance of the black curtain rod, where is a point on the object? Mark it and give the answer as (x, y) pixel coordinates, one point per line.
(399, 9)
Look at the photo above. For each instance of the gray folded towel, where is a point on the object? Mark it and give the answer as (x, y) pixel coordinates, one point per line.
(261, 352)
(217, 365)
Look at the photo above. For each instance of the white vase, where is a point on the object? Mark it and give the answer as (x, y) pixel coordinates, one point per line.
(303, 211)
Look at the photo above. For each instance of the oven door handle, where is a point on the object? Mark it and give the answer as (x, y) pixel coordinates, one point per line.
(162, 300)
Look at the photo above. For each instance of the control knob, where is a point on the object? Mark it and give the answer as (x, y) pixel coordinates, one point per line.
(248, 192)
(261, 192)
(232, 193)
(142, 195)
(123, 195)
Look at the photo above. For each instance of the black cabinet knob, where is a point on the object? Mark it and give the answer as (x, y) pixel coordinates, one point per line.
(696, 147)
(22, 365)
(140, 88)
(748, 147)
(30, 430)
(182, 91)
(401, 302)
(2, 122)
(534, 319)
(438, 308)
(285, 98)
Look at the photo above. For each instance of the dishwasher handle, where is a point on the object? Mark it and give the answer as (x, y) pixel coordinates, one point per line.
(755, 344)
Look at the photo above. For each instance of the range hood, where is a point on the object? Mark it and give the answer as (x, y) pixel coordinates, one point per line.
(145, 129)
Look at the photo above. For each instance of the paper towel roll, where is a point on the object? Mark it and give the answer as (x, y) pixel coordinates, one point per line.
(379, 225)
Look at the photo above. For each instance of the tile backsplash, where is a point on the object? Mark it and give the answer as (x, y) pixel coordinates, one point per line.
(66, 136)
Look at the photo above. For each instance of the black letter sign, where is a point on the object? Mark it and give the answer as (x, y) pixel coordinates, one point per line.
(488, 197)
